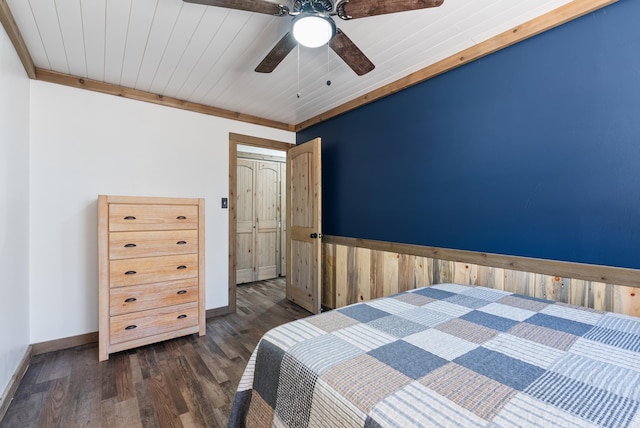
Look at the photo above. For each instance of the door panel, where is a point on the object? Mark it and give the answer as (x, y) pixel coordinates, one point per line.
(245, 254)
(267, 183)
(304, 222)
(283, 219)
(301, 271)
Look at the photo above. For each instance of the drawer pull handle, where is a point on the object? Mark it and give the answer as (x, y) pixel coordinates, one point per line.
(181, 217)
(130, 299)
(181, 267)
(129, 217)
(130, 245)
(181, 316)
(182, 292)
(130, 327)
(181, 242)
(130, 272)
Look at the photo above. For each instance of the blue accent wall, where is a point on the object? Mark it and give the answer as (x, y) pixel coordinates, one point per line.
(531, 151)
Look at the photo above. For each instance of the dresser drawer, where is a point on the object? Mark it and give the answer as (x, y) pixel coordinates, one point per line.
(152, 269)
(127, 245)
(155, 321)
(135, 298)
(126, 217)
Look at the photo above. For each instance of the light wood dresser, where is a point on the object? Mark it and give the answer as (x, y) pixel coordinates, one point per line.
(151, 270)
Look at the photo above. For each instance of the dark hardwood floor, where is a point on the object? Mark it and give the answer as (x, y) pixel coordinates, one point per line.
(185, 382)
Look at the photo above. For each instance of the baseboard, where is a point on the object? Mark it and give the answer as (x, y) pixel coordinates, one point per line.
(216, 312)
(64, 343)
(12, 387)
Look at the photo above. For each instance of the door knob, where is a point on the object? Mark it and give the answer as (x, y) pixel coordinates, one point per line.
(315, 235)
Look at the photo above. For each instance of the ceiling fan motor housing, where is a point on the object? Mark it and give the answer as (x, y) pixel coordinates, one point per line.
(313, 6)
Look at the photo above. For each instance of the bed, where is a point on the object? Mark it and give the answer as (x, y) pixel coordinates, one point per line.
(447, 355)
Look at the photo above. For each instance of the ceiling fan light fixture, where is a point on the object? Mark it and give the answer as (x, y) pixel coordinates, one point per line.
(313, 29)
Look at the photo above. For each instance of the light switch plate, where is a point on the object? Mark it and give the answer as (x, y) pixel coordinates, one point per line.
(225, 203)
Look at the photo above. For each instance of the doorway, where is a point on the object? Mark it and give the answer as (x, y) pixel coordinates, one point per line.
(236, 140)
(261, 225)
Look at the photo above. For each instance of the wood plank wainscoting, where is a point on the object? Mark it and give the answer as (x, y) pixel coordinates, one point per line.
(355, 270)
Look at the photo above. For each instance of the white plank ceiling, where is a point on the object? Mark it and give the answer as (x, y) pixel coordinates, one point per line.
(207, 54)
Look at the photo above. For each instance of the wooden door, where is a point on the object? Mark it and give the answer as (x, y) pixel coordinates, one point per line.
(304, 222)
(245, 209)
(283, 220)
(267, 213)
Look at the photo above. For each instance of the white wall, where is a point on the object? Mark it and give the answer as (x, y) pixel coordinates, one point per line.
(84, 144)
(14, 210)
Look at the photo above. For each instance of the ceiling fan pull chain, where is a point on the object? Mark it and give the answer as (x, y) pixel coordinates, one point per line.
(328, 68)
(298, 93)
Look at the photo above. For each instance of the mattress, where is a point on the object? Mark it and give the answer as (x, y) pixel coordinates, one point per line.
(447, 355)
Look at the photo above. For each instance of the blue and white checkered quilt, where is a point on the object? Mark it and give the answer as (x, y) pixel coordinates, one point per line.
(447, 355)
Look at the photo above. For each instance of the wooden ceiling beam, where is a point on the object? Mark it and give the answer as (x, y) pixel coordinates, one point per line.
(135, 94)
(555, 18)
(10, 26)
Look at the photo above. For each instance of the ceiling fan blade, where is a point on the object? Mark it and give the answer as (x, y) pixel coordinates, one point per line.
(259, 6)
(350, 53)
(352, 9)
(277, 54)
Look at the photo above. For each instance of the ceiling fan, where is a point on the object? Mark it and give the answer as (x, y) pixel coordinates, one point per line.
(313, 26)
